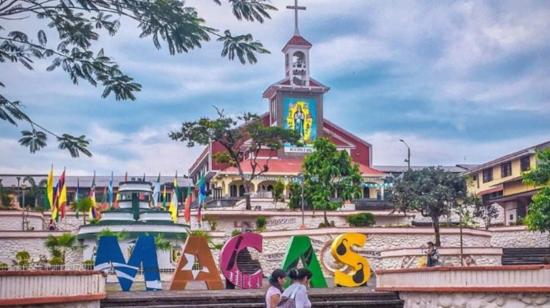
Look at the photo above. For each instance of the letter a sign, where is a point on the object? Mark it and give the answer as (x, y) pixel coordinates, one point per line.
(196, 264)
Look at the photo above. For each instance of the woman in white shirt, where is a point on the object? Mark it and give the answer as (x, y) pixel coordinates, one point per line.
(273, 294)
(297, 291)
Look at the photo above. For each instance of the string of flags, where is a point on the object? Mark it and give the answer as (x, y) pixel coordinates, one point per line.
(56, 197)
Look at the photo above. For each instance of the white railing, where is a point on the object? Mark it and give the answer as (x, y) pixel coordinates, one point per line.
(513, 278)
(50, 287)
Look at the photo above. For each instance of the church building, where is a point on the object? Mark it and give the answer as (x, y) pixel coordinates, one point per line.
(295, 102)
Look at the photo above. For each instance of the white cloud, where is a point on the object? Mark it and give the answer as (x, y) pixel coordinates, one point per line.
(147, 150)
(388, 150)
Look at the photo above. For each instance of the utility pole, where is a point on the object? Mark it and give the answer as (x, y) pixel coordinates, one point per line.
(408, 160)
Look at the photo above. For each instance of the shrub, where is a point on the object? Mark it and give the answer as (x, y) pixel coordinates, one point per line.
(57, 262)
(23, 259)
(261, 222)
(3, 266)
(211, 221)
(235, 232)
(88, 264)
(361, 220)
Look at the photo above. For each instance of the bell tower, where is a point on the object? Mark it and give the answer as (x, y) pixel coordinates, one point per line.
(296, 102)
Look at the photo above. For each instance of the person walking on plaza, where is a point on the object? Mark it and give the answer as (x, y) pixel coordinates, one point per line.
(295, 296)
(273, 294)
(431, 255)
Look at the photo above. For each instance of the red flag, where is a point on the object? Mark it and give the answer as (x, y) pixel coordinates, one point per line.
(187, 213)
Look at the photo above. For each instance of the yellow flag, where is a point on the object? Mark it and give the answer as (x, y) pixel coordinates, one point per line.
(174, 203)
(49, 189)
(63, 200)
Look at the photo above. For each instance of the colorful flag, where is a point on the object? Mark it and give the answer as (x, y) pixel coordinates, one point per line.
(173, 209)
(111, 191)
(104, 202)
(93, 211)
(58, 197)
(156, 192)
(63, 199)
(202, 196)
(49, 189)
(164, 197)
(188, 201)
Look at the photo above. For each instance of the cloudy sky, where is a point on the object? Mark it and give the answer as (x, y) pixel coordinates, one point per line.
(460, 81)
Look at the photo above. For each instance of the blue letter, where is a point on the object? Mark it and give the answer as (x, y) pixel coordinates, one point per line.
(144, 253)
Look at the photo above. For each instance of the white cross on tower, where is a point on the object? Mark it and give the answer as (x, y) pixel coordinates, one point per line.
(296, 8)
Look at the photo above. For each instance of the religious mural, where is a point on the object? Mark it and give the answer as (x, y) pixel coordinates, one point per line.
(300, 115)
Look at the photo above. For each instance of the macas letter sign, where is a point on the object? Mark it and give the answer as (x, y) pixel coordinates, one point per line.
(197, 263)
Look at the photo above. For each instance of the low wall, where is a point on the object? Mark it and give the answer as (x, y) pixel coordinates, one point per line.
(477, 286)
(12, 220)
(518, 237)
(449, 256)
(228, 220)
(55, 288)
(33, 243)
(275, 243)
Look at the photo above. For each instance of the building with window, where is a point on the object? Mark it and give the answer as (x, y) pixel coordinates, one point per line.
(500, 181)
(296, 103)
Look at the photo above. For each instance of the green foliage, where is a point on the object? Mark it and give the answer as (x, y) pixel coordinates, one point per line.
(71, 43)
(108, 232)
(201, 233)
(431, 191)
(3, 266)
(88, 264)
(56, 261)
(295, 195)
(236, 232)
(211, 221)
(361, 220)
(22, 258)
(240, 136)
(329, 172)
(62, 243)
(261, 223)
(278, 190)
(5, 200)
(538, 215)
(162, 243)
(83, 206)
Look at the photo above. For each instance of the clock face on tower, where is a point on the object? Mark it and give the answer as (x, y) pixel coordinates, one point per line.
(300, 115)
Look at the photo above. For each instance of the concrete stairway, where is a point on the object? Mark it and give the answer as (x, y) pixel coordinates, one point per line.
(330, 297)
(519, 256)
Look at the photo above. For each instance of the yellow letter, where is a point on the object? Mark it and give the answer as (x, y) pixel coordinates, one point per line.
(359, 272)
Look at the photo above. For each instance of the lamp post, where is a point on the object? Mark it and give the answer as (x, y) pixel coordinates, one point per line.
(408, 160)
(301, 177)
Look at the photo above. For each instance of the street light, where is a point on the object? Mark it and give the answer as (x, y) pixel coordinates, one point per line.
(301, 177)
(408, 160)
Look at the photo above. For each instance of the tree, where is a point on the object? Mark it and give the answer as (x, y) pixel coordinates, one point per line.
(83, 206)
(242, 138)
(278, 190)
(5, 199)
(59, 245)
(431, 191)
(330, 174)
(538, 215)
(77, 25)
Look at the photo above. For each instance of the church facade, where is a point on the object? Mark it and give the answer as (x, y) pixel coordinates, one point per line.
(296, 103)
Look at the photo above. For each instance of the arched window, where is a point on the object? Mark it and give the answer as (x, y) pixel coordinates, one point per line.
(299, 60)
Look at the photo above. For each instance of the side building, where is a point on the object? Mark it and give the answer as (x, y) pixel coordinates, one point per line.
(499, 181)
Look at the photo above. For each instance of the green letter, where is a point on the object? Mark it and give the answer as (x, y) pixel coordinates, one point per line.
(301, 249)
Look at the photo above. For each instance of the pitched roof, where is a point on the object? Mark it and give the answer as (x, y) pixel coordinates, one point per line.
(511, 156)
(297, 40)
